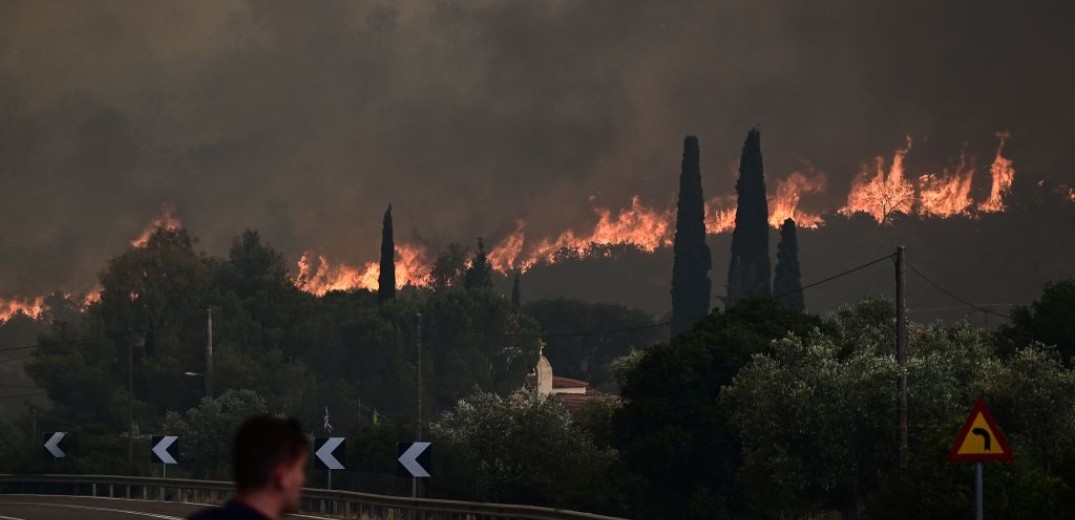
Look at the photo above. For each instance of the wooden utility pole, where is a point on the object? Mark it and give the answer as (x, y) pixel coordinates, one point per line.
(209, 358)
(901, 348)
(130, 406)
(417, 394)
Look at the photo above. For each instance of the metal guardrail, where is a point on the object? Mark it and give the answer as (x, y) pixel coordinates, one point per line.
(341, 504)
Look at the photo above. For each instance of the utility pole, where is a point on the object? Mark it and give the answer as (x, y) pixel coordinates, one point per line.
(417, 394)
(901, 348)
(130, 406)
(209, 358)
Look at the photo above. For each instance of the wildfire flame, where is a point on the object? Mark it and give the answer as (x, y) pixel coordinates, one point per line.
(948, 195)
(879, 190)
(34, 307)
(1003, 176)
(30, 307)
(720, 214)
(317, 275)
(92, 297)
(785, 203)
(880, 193)
(166, 220)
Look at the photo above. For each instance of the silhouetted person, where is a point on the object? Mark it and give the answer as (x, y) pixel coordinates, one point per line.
(268, 458)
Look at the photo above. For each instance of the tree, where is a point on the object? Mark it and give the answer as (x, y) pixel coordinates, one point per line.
(152, 306)
(386, 280)
(521, 448)
(614, 331)
(817, 417)
(787, 283)
(1049, 320)
(207, 430)
(10, 448)
(476, 341)
(692, 261)
(480, 274)
(748, 270)
(516, 298)
(450, 267)
(671, 413)
(1032, 393)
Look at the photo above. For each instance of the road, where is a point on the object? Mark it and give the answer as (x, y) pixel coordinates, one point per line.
(44, 507)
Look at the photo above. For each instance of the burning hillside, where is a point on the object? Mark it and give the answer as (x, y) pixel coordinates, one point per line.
(881, 189)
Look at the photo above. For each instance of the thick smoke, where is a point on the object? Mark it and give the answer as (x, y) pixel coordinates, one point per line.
(305, 119)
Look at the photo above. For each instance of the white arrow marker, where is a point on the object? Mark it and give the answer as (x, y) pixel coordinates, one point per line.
(409, 459)
(161, 449)
(325, 452)
(53, 445)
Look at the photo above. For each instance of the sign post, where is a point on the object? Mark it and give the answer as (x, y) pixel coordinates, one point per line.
(980, 440)
(414, 463)
(165, 448)
(327, 453)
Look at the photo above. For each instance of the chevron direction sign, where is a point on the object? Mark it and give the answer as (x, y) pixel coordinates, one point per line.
(414, 459)
(328, 451)
(166, 448)
(54, 444)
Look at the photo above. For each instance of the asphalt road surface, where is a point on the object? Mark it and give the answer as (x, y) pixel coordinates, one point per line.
(44, 507)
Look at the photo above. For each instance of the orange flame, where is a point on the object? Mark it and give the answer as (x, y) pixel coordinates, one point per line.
(785, 203)
(92, 297)
(1003, 176)
(316, 275)
(641, 226)
(506, 255)
(879, 193)
(166, 220)
(875, 191)
(948, 195)
(720, 214)
(30, 307)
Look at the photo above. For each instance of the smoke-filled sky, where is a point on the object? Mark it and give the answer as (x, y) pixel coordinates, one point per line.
(305, 119)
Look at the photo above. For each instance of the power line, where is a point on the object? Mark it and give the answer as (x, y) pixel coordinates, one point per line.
(952, 295)
(683, 320)
(67, 342)
(963, 307)
(34, 394)
(833, 277)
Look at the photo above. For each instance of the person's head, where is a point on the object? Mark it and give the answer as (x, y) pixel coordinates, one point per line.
(269, 458)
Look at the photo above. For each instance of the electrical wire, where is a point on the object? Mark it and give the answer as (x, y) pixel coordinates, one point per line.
(68, 342)
(684, 320)
(952, 295)
(34, 394)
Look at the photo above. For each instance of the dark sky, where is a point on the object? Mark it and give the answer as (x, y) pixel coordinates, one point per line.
(305, 119)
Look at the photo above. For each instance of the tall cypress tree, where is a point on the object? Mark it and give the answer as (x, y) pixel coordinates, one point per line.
(749, 271)
(480, 273)
(386, 280)
(516, 298)
(787, 282)
(692, 261)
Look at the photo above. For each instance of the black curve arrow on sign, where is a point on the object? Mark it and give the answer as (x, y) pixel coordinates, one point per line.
(985, 436)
